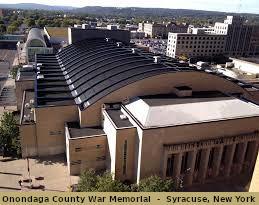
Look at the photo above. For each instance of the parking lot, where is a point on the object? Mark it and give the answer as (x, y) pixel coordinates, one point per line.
(157, 46)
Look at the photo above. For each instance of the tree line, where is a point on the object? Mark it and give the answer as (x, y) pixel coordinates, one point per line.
(90, 181)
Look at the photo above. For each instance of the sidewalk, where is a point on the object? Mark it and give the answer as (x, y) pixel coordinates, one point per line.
(53, 169)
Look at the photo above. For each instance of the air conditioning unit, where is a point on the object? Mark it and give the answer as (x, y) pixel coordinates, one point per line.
(27, 118)
(123, 117)
(27, 105)
(31, 101)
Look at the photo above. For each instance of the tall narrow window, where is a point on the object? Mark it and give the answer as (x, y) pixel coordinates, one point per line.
(197, 161)
(211, 157)
(125, 148)
(184, 162)
(170, 165)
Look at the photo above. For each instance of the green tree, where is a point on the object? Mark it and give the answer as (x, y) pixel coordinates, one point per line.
(106, 183)
(14, 71)
(91, 182)
(87, 181)
(11, 29)
(155, 184)
(2, 28)
(29, 22)
(9, 135)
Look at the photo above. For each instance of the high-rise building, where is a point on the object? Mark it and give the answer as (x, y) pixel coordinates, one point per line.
(195, 45)
(239, 36)
(239, 39)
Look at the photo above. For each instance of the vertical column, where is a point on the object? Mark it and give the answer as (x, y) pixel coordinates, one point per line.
(177, 165)
(204, 164)
(253, 155)
(217, 160)
(241, 156)
(164, 165)
(190, 168)
(229, 158)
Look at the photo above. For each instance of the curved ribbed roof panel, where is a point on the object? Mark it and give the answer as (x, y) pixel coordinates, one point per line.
(94, 68)
(87, 71)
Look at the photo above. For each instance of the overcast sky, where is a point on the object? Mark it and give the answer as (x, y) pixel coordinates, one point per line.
(248, 6)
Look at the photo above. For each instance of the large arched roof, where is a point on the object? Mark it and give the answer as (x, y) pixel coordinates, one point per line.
(89, 70)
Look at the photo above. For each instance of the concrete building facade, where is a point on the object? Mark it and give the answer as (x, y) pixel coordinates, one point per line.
(106, 114)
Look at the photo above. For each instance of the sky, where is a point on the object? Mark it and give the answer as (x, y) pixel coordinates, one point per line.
(247, 6)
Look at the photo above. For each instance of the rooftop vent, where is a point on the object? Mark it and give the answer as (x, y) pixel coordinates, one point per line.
(123, 117)
(108, 39)
(157, 59)
(40, 77)
(119, 44)
(27, 66)
(183, 91)
(27, 105)
(38, 68)
(39, 64)
(133, 50)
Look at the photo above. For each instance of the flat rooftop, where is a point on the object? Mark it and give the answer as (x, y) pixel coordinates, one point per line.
(60, 32)
(26, 74)
(76, 132)
(115, 117)
(170, 110)
(28, 105)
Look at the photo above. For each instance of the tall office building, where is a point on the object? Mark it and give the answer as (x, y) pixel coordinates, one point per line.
(239, 39)
(239, 35)
(195, 45)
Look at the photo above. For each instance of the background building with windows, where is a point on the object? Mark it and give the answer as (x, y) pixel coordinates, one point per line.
(240, 40)
(192, 45)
